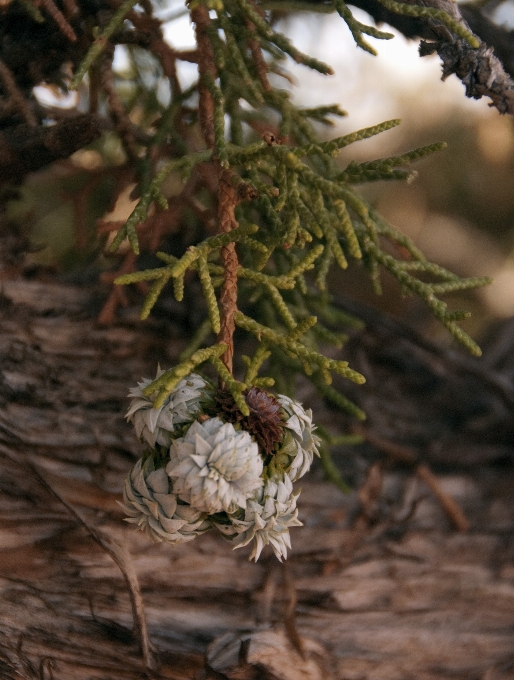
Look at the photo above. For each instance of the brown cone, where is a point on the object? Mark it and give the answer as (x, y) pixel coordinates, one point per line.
(265, 421)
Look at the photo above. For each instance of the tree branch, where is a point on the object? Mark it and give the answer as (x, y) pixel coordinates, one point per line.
(24, 148)
(480, 70)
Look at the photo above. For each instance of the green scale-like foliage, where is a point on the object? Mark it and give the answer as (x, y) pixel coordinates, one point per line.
(306, 218)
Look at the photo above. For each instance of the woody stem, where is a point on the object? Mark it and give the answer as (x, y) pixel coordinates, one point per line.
(227, 199)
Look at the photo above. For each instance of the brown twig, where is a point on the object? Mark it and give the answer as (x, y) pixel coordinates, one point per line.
(227, 199)
(151, 27)
(266, 593)
(290, 612)
(120, 556)
(122, 123)
(59, 19)
(190, 56)
(71, 8)
(206, 66)
(479, 69)
(228, 296)
(79, 199)
(399, 452)
(16, 95)
(449, 504)
(258, 58)
(24, 148)
(369, 493)
(117, 296)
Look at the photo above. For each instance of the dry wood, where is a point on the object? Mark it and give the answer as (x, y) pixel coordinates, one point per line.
(403, 599)
(452, 509)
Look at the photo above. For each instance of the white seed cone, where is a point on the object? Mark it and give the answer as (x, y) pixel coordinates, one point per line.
(300, 444)
(268, 516)
(185, 403)
(150, 503)
(215, 467)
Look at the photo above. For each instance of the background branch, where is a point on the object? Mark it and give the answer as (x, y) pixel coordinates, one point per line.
(480, 70)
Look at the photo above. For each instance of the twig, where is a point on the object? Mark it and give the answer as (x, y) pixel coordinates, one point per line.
(71, 9)
(101, 42)
(404, 454)
(152, 28)
(479, 69)
(117, 295)
(24, 148)
(258, 58)
(79, 199)
(206, 66)
(266, 594)
(190, 56)
(122, 122)
(228, 296)
(16, 95)
(59, 19)
(449, 504)
(498, 37)
(226, 192)
(369, 492)
(121, 558)
(290, 611)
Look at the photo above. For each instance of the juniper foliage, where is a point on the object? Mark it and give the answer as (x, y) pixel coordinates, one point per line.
(276, 211)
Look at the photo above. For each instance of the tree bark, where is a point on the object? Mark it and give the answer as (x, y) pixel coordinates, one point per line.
(392, 593)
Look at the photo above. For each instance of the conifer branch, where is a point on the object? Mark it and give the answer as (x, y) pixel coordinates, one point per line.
(306, 213)
(265, 31)
(101, 42)
(164, 385)
(290, 345)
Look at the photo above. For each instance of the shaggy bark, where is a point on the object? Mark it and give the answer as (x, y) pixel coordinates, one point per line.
(384, 587)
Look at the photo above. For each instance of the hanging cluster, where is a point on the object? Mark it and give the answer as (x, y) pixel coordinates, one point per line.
(208, 466)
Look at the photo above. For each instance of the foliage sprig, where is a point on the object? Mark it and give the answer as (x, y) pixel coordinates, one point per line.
(287, 213)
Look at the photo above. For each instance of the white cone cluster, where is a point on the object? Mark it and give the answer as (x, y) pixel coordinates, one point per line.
(156, 425)
(150, 503)
(300, 443)
(213, 474)
(267, 518)
(214, 467)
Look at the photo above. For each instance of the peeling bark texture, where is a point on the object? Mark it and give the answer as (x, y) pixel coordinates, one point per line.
(480, 71)
(228, 296)
(497, 37)
(390, 592)
(206, 66)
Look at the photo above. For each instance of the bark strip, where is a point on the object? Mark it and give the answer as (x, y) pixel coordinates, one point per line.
(227, 199)
(228, 297)
(206, 66)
